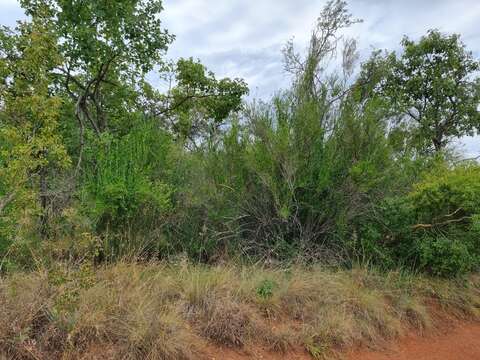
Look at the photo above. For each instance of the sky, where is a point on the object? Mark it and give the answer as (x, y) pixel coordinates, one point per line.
(244, 38)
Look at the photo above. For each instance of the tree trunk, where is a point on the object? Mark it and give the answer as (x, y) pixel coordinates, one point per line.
(438, 143)
(43, 204)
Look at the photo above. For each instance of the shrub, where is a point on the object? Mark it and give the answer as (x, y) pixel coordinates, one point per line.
(434, 228)
(266, 288)
(448, 196)
(126, 191)
(442, 256)
(446, 204)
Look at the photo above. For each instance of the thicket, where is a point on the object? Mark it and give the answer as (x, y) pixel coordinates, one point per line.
(349, 165)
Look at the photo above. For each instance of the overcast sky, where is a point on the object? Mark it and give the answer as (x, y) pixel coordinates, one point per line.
(244, 38)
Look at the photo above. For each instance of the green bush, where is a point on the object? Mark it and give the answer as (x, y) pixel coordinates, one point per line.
(447, 196)
(446, 205)
(279, 185)
(446, 257)
(435, 228)
(127, 192)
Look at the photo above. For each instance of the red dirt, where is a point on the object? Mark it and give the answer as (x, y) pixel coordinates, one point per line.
(460, 342)
(214, 353)
(210, 352)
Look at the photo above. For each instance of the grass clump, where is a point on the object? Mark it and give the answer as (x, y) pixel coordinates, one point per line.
(172, 311)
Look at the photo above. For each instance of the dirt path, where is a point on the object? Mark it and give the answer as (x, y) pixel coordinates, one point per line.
(460, 343)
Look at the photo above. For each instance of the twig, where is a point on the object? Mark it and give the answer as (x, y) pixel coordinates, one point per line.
(429, 226)
(7, 199)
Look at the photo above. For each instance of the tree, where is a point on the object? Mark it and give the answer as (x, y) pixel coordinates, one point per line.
(107, 48)
(198, 104)
(433, 89)
(30, 143)
(309, 71)
(318, 87)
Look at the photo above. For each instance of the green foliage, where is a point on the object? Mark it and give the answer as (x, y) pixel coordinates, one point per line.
(432, 87)
(447, 204)
(337, 169)
(434, 228)
(266, 288)
(448, 194)
(442, 256)
(278, 185)
(30, 143)
(29, 118)
(94, 31)
(199, 103)
(127, 191)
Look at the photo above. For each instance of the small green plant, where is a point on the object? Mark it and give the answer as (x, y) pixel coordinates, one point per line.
(317, 351)
(266, 289)
(70, 284)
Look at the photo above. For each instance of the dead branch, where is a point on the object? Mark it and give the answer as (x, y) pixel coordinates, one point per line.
(7, 199)
(444, 223)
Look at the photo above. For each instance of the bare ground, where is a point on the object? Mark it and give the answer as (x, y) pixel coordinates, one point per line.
(460, 342)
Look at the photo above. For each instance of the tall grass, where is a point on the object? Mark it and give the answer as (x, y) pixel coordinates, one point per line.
(173, 311)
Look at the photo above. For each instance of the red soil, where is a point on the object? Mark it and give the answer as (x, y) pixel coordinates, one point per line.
(256, 354)
(460, 342)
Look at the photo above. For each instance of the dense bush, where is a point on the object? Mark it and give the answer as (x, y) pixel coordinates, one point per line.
(433, 228)
(342, 167)
(127, 188)
(447, 205)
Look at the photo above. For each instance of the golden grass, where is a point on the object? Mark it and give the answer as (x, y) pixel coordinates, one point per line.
(171, 311)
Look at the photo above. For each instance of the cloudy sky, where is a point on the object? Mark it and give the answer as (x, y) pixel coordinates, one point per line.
(244, 38)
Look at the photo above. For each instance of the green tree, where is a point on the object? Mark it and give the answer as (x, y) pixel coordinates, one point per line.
(30, 143)
(311, 78)
(432, 88)
(199, 103)
(107, 48)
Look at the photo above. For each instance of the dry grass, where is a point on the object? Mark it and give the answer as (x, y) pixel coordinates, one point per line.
(172, 311)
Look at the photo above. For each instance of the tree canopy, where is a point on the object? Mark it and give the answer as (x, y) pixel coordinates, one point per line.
(351, 163)
(434, 89)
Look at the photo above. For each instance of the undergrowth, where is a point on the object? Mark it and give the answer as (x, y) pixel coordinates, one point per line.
(173, 311)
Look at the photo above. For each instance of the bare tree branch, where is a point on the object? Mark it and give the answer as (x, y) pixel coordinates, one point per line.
(6, 200)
